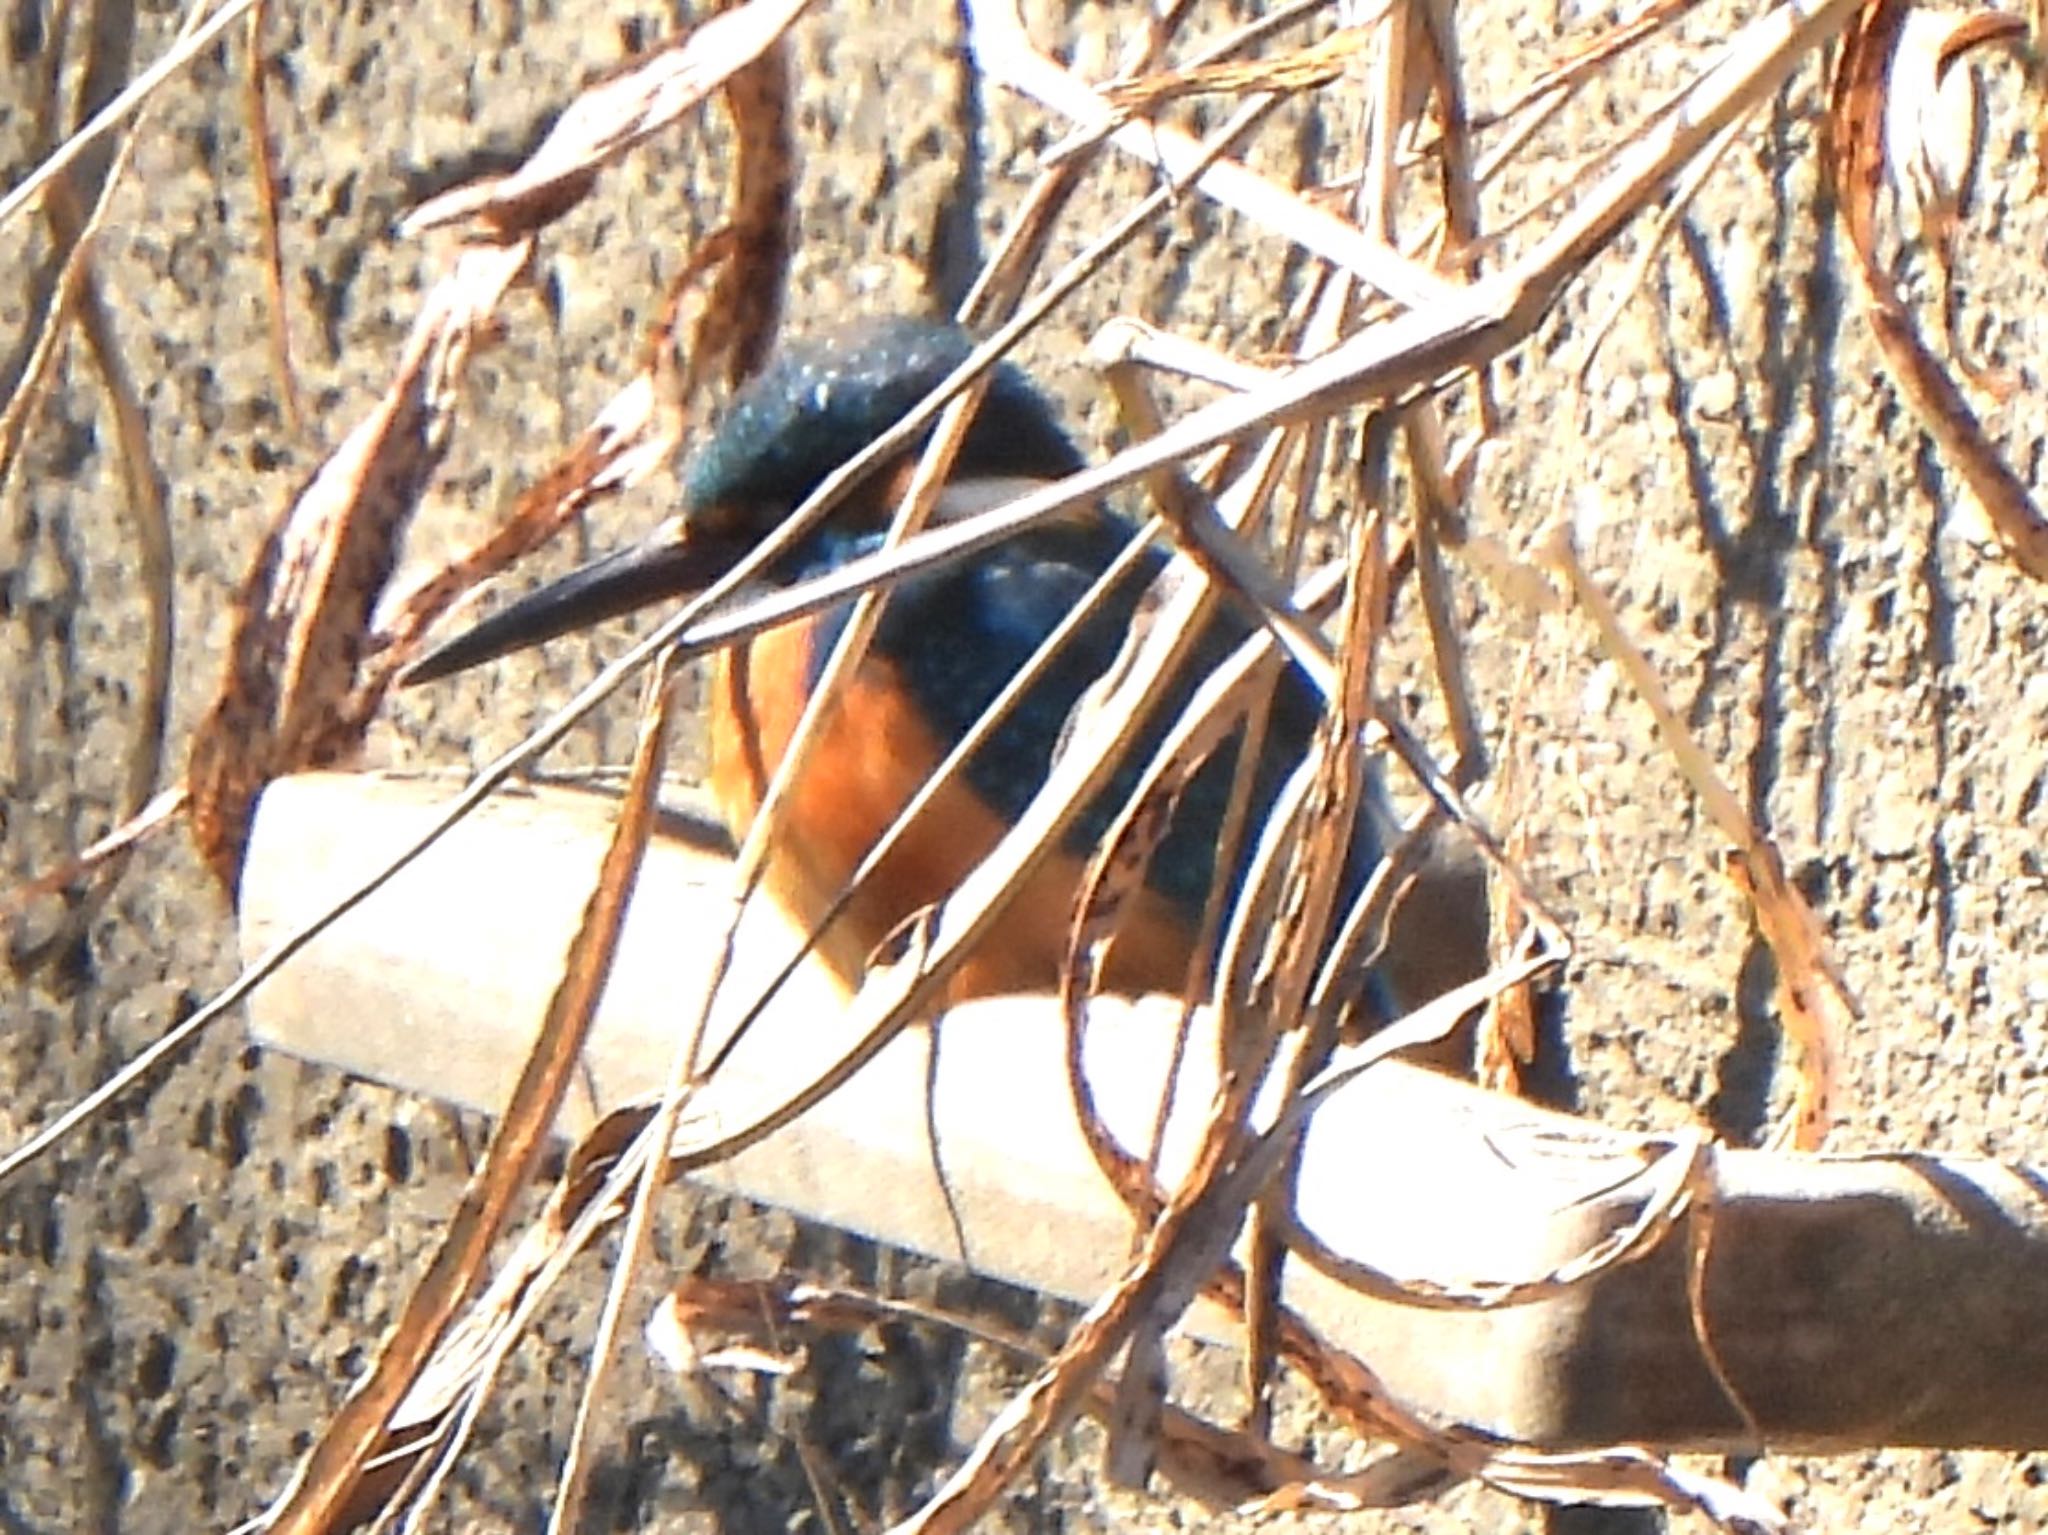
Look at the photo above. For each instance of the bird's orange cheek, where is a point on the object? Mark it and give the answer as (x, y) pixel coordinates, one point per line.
(873, 755)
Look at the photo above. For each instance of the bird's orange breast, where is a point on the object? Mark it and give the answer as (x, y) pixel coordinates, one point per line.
(875, 753)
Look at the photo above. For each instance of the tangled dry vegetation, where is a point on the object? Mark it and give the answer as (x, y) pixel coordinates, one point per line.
(1433, 252)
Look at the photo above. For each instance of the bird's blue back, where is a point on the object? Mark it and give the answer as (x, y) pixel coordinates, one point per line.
(957, 637)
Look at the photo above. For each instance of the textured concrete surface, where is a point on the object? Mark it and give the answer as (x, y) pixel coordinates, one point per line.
(192, 1282)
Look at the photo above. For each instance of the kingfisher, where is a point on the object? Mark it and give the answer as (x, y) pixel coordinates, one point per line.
(946, 645)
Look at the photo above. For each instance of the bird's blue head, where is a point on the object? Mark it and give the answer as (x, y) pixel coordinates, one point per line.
(817, 404)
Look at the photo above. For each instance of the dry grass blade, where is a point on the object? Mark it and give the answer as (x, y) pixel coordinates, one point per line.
(1126, 340)
(1436, 43)
(1682, 195)
(1442, 481)
(335, 1464)
(1506, 1037)
(1234, 695)
(439, 1414)
(642, 801)
(1699, 1253)
(1557, 81)
(1420, 1460)
(1505, 1040)
(1231, 695)
(1340, 799)
(1181, 1251)
(1756, 62)
(1815, 998)
(190, 45)
(1399, 96)
(1621, 1478)
(76, 298)
(1007, 56)
(609, 119)
(1855, 162)
(1140, 61)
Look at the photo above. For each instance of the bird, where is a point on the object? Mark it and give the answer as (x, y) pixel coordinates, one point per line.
(947, 643)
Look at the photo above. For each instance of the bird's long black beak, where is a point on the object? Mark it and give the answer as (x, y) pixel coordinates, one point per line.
(671, 563)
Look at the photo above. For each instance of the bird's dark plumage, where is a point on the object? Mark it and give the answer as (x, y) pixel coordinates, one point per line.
(948, 642)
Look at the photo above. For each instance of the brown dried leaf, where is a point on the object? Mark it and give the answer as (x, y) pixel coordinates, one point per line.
(610, 118)
(1810, 983)
(746, 303)
(289, 699)
(1504, 1041)
(632, 436)
(1934, 118)
(1303, 69)
(1115, 878)
(705, 1324)
(1934, 131)
(1855, 160)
